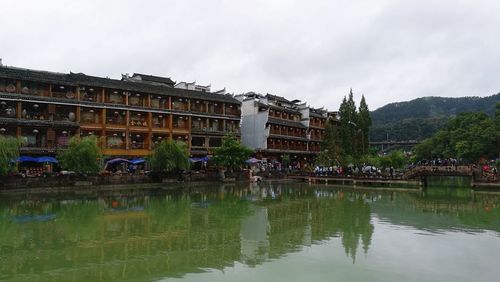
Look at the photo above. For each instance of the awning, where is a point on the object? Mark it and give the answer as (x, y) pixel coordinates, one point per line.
(24, 159)
(44, 159)
(117, 161)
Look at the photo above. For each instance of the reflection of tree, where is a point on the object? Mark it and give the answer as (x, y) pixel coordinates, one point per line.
(441, 209)
(349, 218)
(332, 216)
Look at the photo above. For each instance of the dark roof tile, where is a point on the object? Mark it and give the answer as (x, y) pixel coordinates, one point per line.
(87, 80)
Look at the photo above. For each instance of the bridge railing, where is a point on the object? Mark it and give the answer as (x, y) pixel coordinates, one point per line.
(439, 170)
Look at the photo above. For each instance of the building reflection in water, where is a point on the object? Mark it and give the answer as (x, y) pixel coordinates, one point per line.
(169, 234)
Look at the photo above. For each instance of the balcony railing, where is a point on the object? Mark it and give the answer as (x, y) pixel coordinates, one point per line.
(138, 145)
(138, 123)
(181, 126)
(64, 94)
(115, 120)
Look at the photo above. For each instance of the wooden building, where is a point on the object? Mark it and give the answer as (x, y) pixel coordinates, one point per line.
(275, 126)
(45, 109)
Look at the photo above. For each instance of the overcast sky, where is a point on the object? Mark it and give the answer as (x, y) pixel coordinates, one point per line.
(388, 50)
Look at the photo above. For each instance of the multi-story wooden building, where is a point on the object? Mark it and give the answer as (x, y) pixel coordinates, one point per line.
(128, 116)
(275, 126)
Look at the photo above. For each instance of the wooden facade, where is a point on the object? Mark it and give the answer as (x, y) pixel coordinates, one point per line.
(46, 109)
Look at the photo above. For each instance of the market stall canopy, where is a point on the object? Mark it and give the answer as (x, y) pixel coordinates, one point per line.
(47, 160)
(24, 159)
(44, 159)
(117, 161)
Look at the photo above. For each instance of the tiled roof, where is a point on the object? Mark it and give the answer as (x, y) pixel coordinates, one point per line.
(86, 80)
(288, 110)
(278, 98)
(153, 78)
(315, 114)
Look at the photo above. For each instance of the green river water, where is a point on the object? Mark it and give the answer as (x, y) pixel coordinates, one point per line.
(247, 232)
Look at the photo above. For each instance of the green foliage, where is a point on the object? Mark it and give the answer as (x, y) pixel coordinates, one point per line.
(395, 159)
(232, 154)
(354, 128)
(9, 152)
(331, 150)
(364, 123)
(469, 136)
(348, 124)
(83, 155)
(398, 159)
(169, 156)
(285, 160)
(421, 118)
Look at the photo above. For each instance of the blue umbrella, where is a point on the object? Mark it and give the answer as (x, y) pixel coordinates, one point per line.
(23, 159)
(117, 161)
(46, 159)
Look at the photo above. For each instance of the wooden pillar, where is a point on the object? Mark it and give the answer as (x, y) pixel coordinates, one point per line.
(170, 103)
(103, 96)
(103, 118)
(206, 107)
(223, 108)
(78, 92)
(150, 128)
(50, 90)
(127, 132)
(78, 114)
(126, 98)
(148, 101)
(19, 109)
(18, 86)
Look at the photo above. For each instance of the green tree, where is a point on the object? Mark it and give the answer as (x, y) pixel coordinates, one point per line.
(331, 149)
(345, 133)
(169, 156)
(9, 152)
(83, 155)
(469, 136)
(398, 159)
(285, 160)
(232, 154)
(364, 123)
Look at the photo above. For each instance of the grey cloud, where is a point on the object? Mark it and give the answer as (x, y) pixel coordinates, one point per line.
(389, 50)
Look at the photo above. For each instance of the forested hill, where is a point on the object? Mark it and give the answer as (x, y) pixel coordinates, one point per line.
(421, 118)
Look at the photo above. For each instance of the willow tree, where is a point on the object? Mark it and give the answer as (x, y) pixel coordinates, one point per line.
(9, 152)
(169, 156)
(83, 155)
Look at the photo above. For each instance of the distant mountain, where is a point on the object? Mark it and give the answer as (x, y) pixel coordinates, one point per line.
(421, 118)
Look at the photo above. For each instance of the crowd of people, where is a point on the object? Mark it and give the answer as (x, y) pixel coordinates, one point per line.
(358, 171)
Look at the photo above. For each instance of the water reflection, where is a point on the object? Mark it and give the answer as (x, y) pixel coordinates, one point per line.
(168, 234)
